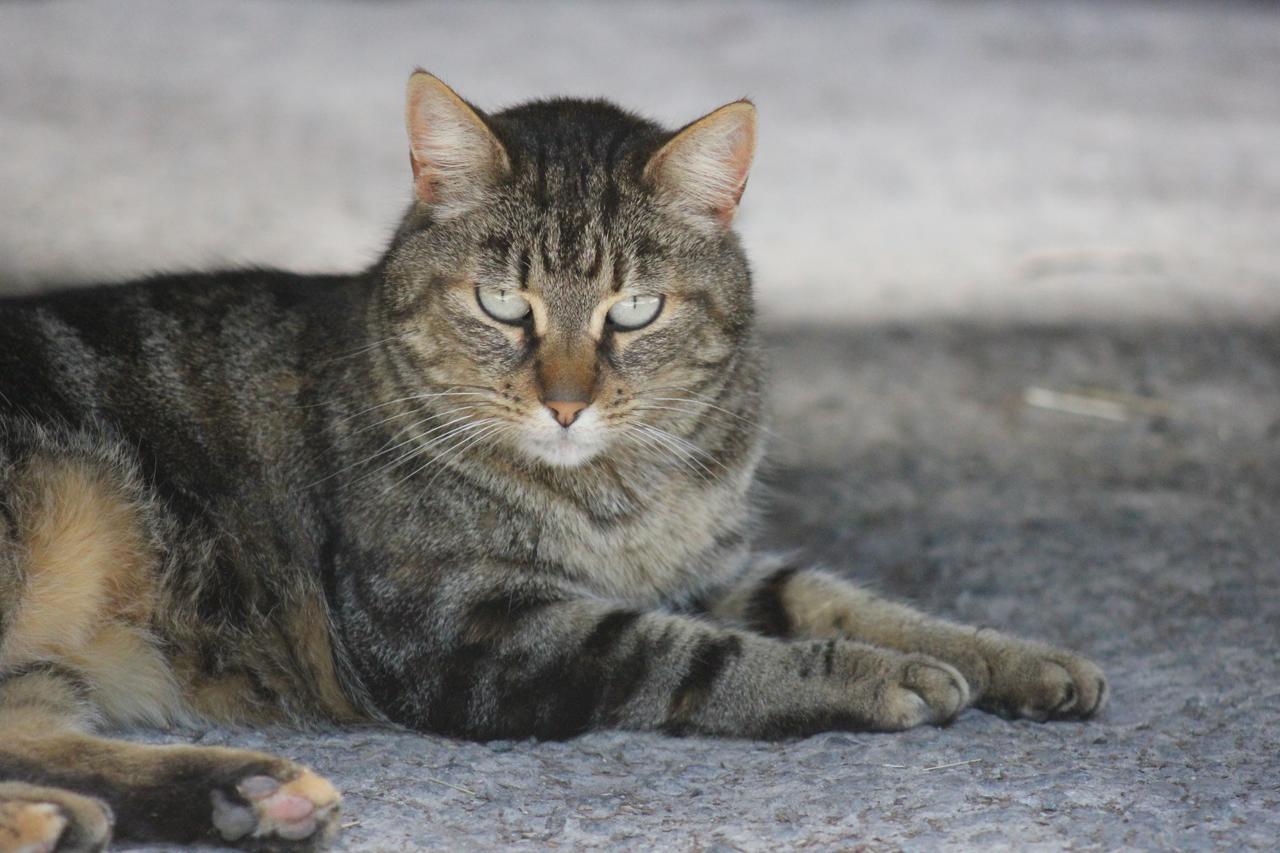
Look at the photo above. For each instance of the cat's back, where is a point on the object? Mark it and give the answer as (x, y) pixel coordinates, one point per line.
(110, 348)
(188, 367)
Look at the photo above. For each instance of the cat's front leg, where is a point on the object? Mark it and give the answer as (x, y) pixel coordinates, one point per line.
(1006, 675)
(502, 654)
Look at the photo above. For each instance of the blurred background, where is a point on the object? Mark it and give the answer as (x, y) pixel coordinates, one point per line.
(1019, 266)
(1009, 159)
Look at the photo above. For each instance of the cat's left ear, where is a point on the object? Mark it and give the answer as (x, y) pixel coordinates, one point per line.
(703, 170)
(454, 154)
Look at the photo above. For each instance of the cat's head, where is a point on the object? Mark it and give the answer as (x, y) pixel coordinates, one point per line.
(567, 274)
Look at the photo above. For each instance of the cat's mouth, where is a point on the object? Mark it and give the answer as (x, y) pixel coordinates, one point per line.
(544, 439)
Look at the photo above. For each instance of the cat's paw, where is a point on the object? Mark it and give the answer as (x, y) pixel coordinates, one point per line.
(1039, 682)
(916, 690)
(266, 813)
(44, 820)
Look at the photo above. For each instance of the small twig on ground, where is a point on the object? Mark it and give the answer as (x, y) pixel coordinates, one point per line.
(1074, 404)
(453, 786)
(1095, 403)
(926, 769)
(952, 764)
(364, 795)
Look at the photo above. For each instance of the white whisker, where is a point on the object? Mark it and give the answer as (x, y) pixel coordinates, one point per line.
(410, 398)
(666, 439)
(474, 433)
(425, 449)
(368, 347)
(414, 412)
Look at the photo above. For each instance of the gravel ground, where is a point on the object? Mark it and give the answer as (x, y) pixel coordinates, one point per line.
(907, 457)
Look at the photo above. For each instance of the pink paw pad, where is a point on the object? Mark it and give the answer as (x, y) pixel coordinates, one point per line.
(294, 810)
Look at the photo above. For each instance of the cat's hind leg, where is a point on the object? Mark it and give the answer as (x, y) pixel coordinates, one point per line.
(176, 794)
(78, 569)
(1006, 675)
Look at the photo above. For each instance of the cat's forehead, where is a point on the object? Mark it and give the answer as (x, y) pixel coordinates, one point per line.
(571, 258)
(572, 233)
(575, 165)
(574, 221)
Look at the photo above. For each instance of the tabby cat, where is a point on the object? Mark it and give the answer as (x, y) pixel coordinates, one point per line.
(496, 486)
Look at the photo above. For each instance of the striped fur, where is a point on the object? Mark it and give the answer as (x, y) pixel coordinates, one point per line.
(256, 497)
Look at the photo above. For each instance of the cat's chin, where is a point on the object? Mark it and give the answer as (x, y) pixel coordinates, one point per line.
(551, 444)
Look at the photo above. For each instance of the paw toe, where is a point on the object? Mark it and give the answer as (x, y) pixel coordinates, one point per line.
(34, 827)
(1052, 692)
(1101, 692)
(301, 809)
(66, 822)
(941, 688)
(1090, 689)
(1058, 688)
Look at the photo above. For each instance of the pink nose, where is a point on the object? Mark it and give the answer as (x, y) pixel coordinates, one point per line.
(566, 412)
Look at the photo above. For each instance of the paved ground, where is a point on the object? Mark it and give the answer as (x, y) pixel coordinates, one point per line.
(957, 208)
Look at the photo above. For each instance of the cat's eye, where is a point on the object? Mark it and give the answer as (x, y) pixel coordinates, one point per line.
(504, 304)
(635, 312)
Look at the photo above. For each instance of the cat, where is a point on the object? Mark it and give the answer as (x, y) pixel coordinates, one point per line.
(496, 486)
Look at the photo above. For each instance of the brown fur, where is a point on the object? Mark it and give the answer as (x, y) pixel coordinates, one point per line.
(89, 592)
(86, 563)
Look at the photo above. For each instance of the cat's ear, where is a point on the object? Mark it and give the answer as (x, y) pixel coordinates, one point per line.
(703, 169)
(454, 154)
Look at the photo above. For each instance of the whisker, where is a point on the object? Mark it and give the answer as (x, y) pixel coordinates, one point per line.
(756, 422)
(650, 444)
(423, 449)
(465, 441)
(386, 447)
(711, 406)
(410, 398)
(414, 412)
(366, 347)
(667, 439)
(458, 450)
(683, 442)
(679, 457)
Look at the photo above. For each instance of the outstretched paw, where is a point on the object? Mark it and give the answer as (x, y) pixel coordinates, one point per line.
(43, 820)
(918, 690)
(266, 813)
(1042, 683)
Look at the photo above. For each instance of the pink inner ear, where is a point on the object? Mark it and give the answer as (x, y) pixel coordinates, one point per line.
(451, 151)
(421, 183)
(742, 147)
(705, 167)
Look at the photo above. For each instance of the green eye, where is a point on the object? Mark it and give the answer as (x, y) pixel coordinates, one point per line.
(635, 312)
(504, 304)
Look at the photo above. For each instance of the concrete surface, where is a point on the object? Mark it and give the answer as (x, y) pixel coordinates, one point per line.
(954, 205)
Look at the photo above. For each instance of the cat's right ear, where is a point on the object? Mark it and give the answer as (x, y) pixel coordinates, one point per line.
(454, 155)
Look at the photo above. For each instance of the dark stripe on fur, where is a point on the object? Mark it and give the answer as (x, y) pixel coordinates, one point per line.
(77, 682)
(710, 658)
(765, 611)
